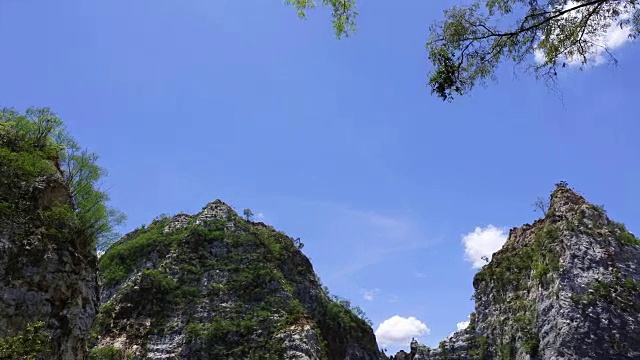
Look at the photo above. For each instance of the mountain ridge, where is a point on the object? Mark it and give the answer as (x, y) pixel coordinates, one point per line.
(566, 286)
(217, 285)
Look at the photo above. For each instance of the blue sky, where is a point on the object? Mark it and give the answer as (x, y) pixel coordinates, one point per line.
(336, 142)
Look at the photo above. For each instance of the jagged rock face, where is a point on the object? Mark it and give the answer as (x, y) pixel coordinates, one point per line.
(301, 341)
(565, 287)
(48, 281)
(214, 286)
(401, 355)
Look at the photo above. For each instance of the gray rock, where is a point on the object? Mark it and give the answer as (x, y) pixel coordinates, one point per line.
(54, 282)
(301, 342)
(565, 287)
(178, 221)
(187, 292)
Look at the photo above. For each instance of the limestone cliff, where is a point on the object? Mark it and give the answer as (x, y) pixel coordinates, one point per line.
(565, 287)
(216, 286)
(48, 281)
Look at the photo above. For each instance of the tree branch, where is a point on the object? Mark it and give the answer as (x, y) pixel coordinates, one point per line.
(521, 30)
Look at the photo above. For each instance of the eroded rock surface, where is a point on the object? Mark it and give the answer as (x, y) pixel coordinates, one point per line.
(47, 270)
(565, 287)
(215, 286)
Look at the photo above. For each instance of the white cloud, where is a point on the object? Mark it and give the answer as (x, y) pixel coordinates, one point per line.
(462, 325)
(483, 242)
(259, 216)
(369, 295)
(398, 330)
(612, 38)
(394, 299)
(538, 56)
(421, 275)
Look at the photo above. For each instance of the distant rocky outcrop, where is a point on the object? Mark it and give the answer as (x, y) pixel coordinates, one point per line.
(401, 355)
(48, 280)
(215, 286)
(565, 287)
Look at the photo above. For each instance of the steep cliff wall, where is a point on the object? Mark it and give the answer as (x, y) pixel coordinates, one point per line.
(48, 281)
(215, 286)
(565, 287)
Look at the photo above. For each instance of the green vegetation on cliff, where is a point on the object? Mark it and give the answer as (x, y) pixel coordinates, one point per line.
(52, 218)
(575, 253)
(34, 147)
(233, 287)
(33, 341)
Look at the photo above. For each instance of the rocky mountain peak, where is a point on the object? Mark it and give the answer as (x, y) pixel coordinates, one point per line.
(565, 200)
(216, 210)
(216, 286)
(565, 287)
(219, 205)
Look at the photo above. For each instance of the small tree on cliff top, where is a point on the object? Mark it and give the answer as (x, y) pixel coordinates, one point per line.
(248, 214)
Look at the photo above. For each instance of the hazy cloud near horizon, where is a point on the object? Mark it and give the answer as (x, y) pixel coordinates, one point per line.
(398, 331)
(483, 242)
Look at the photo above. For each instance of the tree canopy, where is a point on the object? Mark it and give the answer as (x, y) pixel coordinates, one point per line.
(248, 214)
(30, 144)
(343, 13)
(466, 47)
